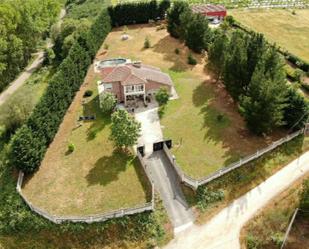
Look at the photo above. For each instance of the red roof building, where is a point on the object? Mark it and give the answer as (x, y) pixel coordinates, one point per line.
(210, 10)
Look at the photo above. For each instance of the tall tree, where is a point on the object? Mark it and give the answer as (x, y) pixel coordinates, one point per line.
(198, 34)
(235, 68)
(125, 130)
(173, 18)
(296, 111)
(217, 52)
(264, 102)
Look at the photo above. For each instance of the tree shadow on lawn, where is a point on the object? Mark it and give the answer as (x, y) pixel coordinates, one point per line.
(167, 46)
(93, 108)
(108, 168)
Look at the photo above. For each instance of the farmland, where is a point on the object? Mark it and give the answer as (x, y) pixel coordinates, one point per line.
(289, 31)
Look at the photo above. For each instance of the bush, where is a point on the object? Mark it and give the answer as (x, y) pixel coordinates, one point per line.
(106, 46)
(177, 51)
(191, 60)
(71, 147)
(162, 96)
(253, 242)
(277, 239)
(107, 102)
(88, 93)
(206, 197)
(147, 43)
(230, 20)
(49, 56)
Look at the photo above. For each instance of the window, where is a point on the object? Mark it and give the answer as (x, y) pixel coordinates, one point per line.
(108, 86)
(129, 89)
(139, 88)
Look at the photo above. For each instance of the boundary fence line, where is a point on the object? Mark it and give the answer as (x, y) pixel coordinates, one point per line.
(195, 183)
(149, 206)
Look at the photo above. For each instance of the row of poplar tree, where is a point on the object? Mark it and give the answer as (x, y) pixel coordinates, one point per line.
(251, 69)
(30, 142)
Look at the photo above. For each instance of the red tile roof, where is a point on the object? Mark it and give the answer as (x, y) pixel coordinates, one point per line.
(131, 74)
(207, 8)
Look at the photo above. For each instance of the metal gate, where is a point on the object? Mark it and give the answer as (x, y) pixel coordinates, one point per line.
(159, 145)
(141, 149)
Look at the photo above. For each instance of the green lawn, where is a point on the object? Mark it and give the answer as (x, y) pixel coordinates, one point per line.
(28, 94)
(191, 122)
(280, 26)
(96, 177)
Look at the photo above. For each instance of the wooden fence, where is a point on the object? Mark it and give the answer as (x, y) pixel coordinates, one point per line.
(195, 183)
(89, 218)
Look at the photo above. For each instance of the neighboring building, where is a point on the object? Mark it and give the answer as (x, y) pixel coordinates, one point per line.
(133, 80)
(210, 10)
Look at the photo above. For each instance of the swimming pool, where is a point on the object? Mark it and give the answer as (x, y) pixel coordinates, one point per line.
(113, 62)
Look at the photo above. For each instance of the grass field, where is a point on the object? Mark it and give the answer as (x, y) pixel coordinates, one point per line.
(96, 177)
(272, 221)
(28, 94)
(279, 26)
(202, 144)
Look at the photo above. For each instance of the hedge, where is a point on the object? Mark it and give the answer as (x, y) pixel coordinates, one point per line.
(137, 12)
(30, 142)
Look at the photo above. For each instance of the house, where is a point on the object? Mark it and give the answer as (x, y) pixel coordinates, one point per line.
(133, 81)
(211, 11)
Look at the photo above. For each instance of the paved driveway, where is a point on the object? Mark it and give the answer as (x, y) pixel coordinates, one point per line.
(222, 231)
(162, 174)
(150, 127)
(166, 182)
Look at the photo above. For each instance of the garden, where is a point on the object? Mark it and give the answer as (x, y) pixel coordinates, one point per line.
(82, 169)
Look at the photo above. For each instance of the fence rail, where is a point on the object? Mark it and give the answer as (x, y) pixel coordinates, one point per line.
(149, 206)
(195, 183)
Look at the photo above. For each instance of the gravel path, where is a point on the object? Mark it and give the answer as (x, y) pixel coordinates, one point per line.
(24, 76)
(222, 231)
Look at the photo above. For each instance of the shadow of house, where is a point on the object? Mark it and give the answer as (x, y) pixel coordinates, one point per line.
(167, 46)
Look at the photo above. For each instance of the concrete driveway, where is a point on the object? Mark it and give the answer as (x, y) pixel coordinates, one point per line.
(161, 171)
(150, 126)
(168, 185)
(222, 231)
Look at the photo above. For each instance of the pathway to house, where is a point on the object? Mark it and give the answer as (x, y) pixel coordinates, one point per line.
(223, 230)
(22, 78)
(161, 172)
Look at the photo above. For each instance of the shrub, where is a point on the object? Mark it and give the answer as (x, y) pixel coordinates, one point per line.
(230, 20)
(88, 93)
(49, 56)
(220, 117)
(147, 43)
(252, 242)
(304, 198)
(177, 51)
(162, 96)
(206, 197)
(191, 60)
(71, 147)
(277, 239)
(106, 46)
(107, 102)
